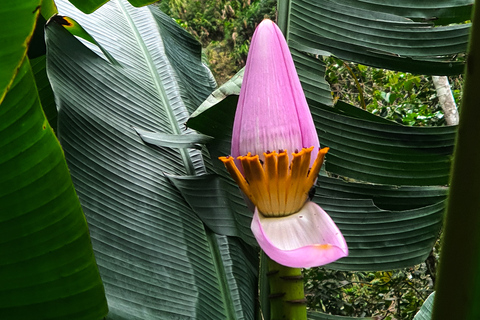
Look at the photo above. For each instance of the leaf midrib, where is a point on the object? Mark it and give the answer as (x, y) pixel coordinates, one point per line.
(172, 120)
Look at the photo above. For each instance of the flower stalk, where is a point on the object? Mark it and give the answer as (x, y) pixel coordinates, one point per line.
(287, 297)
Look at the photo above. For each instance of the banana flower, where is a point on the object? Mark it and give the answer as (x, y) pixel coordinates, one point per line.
(276, 157)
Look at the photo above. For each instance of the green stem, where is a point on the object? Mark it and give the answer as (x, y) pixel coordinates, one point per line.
(287, 297)
(357, 83)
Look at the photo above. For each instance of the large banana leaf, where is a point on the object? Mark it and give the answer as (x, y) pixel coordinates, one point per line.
(18, 22)
(156, 258)
(47, 267)
(385, 153)
(89, 6)
(354, 32)
(437, 11)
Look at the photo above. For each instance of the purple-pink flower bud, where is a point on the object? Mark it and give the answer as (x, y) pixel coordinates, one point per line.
(272, 112)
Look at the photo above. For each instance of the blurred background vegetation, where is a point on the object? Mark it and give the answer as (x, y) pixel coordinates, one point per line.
(224, 28)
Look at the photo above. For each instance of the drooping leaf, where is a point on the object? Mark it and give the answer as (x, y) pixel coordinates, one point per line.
(18, 23)
(383, 239)
(384, 153)
(156, 258)
(386, 197)
(437, 11)
(352, 32)
(89, 6)
(48, 270)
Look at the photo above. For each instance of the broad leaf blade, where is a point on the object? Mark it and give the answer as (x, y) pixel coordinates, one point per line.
(383, 239)
(311, 72)
(375, 38)
(386, 197)
(89, 6)
(437, 11)
(48, 270)
(384, 153)
(156, 258)
(218, 205)
(18, 23)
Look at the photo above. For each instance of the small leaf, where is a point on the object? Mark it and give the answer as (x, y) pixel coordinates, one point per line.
(425, 312)
(174, 140)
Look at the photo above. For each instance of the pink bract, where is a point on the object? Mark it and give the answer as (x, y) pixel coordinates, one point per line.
(308, 238)
(272, 112)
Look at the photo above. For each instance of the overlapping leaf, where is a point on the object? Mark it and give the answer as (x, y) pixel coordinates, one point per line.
(311, 72)
(384, 153)
(156, 258)
(354, 33)
(48, 270)
(437, 11)
(18, 22)
(89, 6)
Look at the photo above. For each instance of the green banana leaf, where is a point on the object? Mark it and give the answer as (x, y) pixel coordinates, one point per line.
(356, 32)
(438, 11)
(385, 153)
(18, 23)
(89, 6)
(156, 257)
(219, 205)
(48, 270)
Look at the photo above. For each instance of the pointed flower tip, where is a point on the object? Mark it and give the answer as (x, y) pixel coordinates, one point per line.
(272, 112)
(306, 239)
(267, 23)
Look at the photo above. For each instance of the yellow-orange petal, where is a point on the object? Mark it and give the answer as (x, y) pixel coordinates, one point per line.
(276, 186)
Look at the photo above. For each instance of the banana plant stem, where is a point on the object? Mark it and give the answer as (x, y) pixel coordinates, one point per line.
(287, 297)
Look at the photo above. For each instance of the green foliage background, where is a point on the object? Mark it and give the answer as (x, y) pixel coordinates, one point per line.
(406, 98)
(223, 27)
